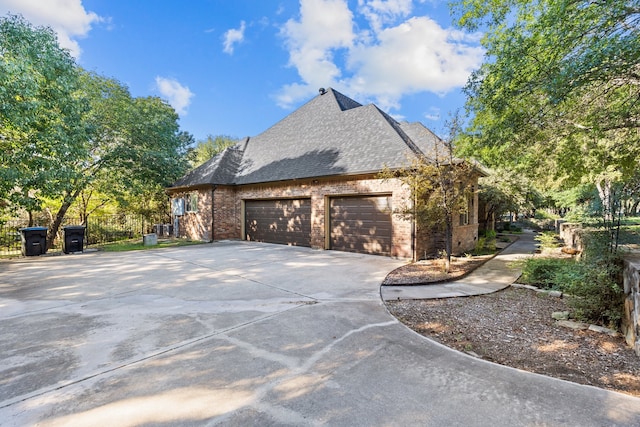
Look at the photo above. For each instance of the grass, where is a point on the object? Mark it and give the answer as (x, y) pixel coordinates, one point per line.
(630, 231)
(137, 245)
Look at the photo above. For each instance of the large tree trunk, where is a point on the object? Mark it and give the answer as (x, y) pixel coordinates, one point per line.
(604, 191)
(57, 221)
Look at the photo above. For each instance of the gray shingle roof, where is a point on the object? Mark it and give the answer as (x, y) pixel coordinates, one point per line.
(329, 135)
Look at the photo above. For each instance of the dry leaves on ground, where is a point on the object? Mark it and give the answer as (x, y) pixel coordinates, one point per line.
(514, 327)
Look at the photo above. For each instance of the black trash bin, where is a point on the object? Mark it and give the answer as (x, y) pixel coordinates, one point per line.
(73, 238)
(34, 241)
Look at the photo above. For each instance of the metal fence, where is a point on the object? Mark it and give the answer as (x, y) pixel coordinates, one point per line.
(99, 230)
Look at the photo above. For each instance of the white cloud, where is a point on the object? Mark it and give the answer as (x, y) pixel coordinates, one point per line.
(381, 12)
(324, 27)
(432, 114)
(397, 56)
(233, 37)
(179, 96)
(68, 18)
(418, 55)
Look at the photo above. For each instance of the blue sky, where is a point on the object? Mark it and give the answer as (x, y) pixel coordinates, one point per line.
(236, 67)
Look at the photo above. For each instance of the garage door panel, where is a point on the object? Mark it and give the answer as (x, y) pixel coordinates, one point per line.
(361, 224)
(285, 222)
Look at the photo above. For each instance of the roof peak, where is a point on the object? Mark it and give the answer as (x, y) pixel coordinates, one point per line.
(343, 101)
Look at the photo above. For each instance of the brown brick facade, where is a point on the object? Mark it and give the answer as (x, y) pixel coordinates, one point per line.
(196, 225)
(220, 213)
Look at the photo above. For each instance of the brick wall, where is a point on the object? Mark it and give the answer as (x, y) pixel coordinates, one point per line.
(222, 207)
(196, 225)
(320, 190)
(226, 213)
(430, 241)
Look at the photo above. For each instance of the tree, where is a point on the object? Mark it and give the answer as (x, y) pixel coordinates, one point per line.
(559, 94)
(504, 191)
(66, 132)
(135, 148)
(440, 184)
(41, 130)
(206, 149)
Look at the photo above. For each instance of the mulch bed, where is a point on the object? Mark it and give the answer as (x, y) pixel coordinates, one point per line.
(432, 271)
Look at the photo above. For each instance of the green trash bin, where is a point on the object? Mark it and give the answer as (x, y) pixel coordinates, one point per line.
(34, 241)
(73, 239)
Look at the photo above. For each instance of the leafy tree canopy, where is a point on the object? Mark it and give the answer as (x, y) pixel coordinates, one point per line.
(66, 132)
(559, 93)
(206, 149)
(41, 128)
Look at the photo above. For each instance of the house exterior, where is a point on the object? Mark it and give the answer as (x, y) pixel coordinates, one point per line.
(312, 179)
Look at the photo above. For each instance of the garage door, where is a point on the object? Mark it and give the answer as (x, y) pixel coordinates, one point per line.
(361, 224)
(287, 222)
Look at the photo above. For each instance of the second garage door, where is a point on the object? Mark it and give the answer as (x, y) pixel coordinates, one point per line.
(361, 224)
(283, 221)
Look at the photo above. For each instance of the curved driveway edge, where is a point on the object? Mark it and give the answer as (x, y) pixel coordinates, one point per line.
(494, 275)
(238, 333)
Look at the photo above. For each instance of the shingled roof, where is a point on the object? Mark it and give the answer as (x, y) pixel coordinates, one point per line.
(328, 136)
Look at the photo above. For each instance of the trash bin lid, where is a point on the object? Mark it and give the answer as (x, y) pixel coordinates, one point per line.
(33, 229)
(74, 227)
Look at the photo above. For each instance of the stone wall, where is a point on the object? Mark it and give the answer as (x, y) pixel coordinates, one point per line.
(570, 233)
(631, 320)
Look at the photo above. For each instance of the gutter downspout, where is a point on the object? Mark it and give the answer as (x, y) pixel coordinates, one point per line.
(414, 236)
(213, 221)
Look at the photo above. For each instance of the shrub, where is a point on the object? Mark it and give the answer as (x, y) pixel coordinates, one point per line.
(548, 240)
(597, 295)
(485, 246)
(593, 283)
(546, 273)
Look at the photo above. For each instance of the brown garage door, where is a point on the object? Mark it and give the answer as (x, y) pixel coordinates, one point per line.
(361, 224)
(287, 222)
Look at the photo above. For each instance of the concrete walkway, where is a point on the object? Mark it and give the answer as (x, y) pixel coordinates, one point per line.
(494, 275)
(240, 333)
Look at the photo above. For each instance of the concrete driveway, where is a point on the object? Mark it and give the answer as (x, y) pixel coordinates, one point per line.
(238, 333)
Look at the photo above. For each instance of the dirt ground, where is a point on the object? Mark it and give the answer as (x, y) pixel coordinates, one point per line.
(514, 327)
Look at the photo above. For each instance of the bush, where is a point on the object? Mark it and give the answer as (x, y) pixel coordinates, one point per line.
(548, 240)
(485, 246)
(593, 283)
(546, 273)
(597, 294)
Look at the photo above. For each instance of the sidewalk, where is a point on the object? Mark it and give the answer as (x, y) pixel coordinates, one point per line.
(492, 276)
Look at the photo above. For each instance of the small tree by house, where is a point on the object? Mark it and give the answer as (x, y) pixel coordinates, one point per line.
(441, 185)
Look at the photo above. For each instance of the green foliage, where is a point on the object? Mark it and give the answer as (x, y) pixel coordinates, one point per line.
(596, 293)
(505, 191)
(542, 214)
(42, 134)
(546, 272)
(592, 283)
(490, 234)
(485, 246)
(139, 246)
(557, 96)
(206, 149)
(67, 133)
(548, 240)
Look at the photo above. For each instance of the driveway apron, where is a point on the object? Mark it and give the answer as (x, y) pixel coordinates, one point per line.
(239, 333)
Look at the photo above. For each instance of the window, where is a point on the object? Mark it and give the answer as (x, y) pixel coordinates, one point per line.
(467, 212)
(191, 202)
(464, 217)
